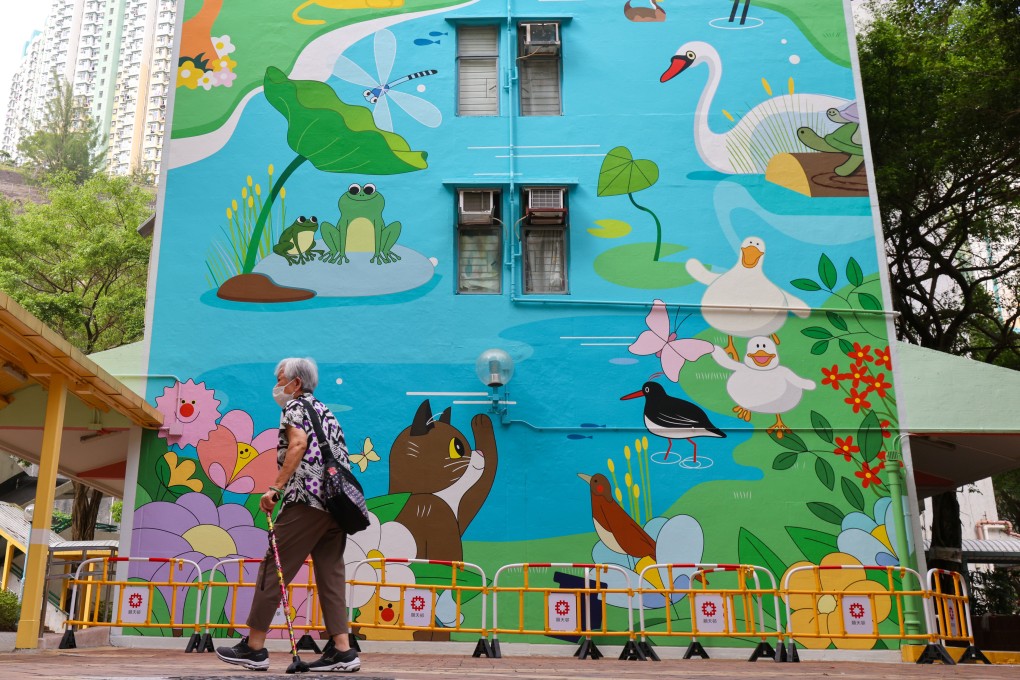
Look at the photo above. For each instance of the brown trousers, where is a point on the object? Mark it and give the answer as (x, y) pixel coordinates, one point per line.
(302, 530)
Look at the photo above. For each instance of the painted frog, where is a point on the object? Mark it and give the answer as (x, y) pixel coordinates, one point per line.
(297, 242)
(361, 208)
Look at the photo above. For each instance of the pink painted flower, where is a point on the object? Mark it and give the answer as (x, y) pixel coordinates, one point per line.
(189, 413)
(222, 78)
(236, 460)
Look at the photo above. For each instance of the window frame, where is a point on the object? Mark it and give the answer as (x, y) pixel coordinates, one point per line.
(495, 227)
(531, 224)
(555, 57)
(495, 57)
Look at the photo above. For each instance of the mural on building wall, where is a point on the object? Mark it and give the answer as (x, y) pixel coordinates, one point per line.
(720, 266)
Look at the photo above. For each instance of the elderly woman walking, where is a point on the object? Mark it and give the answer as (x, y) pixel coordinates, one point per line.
(304, 527)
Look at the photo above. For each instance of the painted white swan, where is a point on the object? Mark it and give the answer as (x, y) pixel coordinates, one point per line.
(768, 129)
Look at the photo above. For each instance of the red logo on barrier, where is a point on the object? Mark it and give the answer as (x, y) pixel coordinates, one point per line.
(708, 608)
(417, 603)
(135, 600)
(857, 610)
(562, 607)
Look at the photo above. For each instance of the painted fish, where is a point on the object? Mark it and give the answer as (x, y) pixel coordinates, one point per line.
(591, 425)
(579, 436)
(425, 41)
(436, 34)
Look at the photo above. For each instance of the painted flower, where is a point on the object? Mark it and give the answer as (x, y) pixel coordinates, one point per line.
(190, 411)
(188, 75)
(868, 475)
(846, 448)
(378, 540)
(678, 540)
(832, 376)
(873, 541)
(857, 400)
(222, 45)
(885, 429)
(236, 460)
(878, 384)
(195, 529)
(222, 78)
(223, 64)
(882, 358)
(860, 354)
(858, 373)
(205, 82)
(181, 472)
(823, 611)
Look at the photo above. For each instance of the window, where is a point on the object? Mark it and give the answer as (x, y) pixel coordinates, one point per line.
(545, 240)
(479, 242)
(477, 71)
(538, 63)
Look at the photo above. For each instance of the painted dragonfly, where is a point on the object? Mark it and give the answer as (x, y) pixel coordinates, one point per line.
(380, 89)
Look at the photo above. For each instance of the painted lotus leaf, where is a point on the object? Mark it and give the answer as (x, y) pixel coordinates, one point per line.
(621, 174)
(610, 229)
(334, 136)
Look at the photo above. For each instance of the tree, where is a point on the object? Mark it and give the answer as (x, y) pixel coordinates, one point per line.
(942, 92)
(78, 263)
(66, 140)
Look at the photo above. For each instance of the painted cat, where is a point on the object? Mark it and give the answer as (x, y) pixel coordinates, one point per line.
(447, 479)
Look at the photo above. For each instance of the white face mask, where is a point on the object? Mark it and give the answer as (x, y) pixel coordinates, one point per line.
(280, 396)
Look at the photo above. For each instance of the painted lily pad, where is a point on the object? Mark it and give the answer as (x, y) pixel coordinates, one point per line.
(616, 265)
(621, 174)
(610, 229)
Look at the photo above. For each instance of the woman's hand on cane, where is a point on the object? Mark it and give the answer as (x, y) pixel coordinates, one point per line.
(269, 500)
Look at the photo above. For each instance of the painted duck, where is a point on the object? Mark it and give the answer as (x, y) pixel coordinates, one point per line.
(765, 305)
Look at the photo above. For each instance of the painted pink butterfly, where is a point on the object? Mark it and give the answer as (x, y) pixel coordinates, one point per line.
(663, 343)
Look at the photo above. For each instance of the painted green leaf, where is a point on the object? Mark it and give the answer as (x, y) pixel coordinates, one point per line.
(334, 136)
(853, 272)
(814, 544)
(621, 174)
(852, 494)
(869, 434)
(752, 550)
(826, 512)
(827, 271)
(824, 473)
(817, 332)
(805, 284)
(789, 440)
(610, 229)
(822, 426)
(441, 575)
(387, 507)
(836, 320)
(819, 347)
(785, 460)
(869, 301)
(845, 346)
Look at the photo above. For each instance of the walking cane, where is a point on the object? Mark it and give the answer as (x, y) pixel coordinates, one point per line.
(297, 665)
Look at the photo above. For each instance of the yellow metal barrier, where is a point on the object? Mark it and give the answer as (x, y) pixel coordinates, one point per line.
(431, 604)
(128, 604)
(950, 619)
(715, 612)
(567, 610)
(852, 612)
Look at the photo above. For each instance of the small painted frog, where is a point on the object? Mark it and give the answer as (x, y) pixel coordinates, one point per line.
(361, 207)
(297, 242)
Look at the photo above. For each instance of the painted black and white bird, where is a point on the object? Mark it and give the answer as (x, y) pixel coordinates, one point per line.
(673, 418)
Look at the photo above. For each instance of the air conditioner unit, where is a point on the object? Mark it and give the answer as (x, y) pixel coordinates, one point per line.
(546, 205)
(541, 38)
(476, 206)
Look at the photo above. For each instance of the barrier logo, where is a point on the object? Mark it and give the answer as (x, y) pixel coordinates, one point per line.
(418, 603)
(134, 605)
(709, 609)
(857, 617)
(561, 609)
(417, 607)
(135, 600)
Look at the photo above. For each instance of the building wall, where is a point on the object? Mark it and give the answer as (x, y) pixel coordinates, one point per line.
(680, 151)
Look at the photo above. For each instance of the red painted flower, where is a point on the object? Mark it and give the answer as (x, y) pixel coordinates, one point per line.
(885, 429)
(857, 400)
(858, 373)
(860, 354)
(877, 384)
(868, 475)
(846, 448)
(832, 376)
(882, 358)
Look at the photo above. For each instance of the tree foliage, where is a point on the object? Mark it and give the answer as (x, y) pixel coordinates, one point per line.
(66, 140)
(77, 262)
(943, 97)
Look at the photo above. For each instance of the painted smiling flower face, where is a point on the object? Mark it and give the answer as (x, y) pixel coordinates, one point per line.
(189, 413)
(236, 460)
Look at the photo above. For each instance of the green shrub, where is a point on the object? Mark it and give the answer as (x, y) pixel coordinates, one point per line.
(117, 511)
(10, 611)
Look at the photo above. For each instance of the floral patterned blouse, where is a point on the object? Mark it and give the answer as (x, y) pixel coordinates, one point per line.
(305, 485)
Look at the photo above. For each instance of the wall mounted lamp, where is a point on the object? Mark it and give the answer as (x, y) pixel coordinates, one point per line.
(495, 368)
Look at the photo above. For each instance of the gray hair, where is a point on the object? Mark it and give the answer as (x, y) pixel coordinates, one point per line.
(304, 369)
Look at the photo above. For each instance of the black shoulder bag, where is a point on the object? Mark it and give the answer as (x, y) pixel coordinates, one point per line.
(341, 493)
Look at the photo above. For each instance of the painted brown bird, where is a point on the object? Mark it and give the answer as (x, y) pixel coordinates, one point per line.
(614, 526)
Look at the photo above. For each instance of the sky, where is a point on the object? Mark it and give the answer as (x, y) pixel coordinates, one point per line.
(19, 19)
